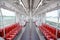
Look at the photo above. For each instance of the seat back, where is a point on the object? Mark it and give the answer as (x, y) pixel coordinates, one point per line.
(1, 33)
(50, 28)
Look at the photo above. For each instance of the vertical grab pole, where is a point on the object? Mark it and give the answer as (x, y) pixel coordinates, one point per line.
(2, 22)
(15, 17)
(57, 21)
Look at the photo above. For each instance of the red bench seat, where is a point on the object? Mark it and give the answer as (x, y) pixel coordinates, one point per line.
(11, 31)
(49, 32)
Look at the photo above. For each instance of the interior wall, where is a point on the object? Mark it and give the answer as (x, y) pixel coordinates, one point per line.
(17, 17)
(42, 20)
(20, 19)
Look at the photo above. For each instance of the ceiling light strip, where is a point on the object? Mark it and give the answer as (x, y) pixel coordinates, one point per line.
(23, 6)
(38, 6)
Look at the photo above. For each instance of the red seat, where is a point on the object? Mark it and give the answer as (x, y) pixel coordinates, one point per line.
(49, 32)
(58, 33)
(1, 33)
(11, 31)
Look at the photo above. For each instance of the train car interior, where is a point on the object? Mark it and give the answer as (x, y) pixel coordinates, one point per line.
(29, 19)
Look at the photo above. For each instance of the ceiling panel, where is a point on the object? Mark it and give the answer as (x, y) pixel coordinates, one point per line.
(45, 6)
(36, 2)
(25, 2)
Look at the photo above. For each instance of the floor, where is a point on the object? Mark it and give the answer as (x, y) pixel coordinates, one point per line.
(19, 35)
(30, 33)
(40, 34)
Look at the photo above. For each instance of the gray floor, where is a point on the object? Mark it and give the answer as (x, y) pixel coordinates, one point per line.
(40, 34)
(30, 33)
(18, 37)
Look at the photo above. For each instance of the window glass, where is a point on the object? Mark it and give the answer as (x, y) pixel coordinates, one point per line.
(52, 18)
(8, 17)
(1, 20)
(59, 19)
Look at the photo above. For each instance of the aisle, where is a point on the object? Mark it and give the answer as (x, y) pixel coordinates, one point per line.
(26, 34)
(30, 33)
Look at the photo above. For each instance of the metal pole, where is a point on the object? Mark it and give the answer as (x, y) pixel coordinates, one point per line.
(57, 21)
(2, 22)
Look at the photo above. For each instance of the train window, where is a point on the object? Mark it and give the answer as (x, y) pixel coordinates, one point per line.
(59, 21)
(1, 20)
(8, 17)
(58, 28)
(52, 18)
